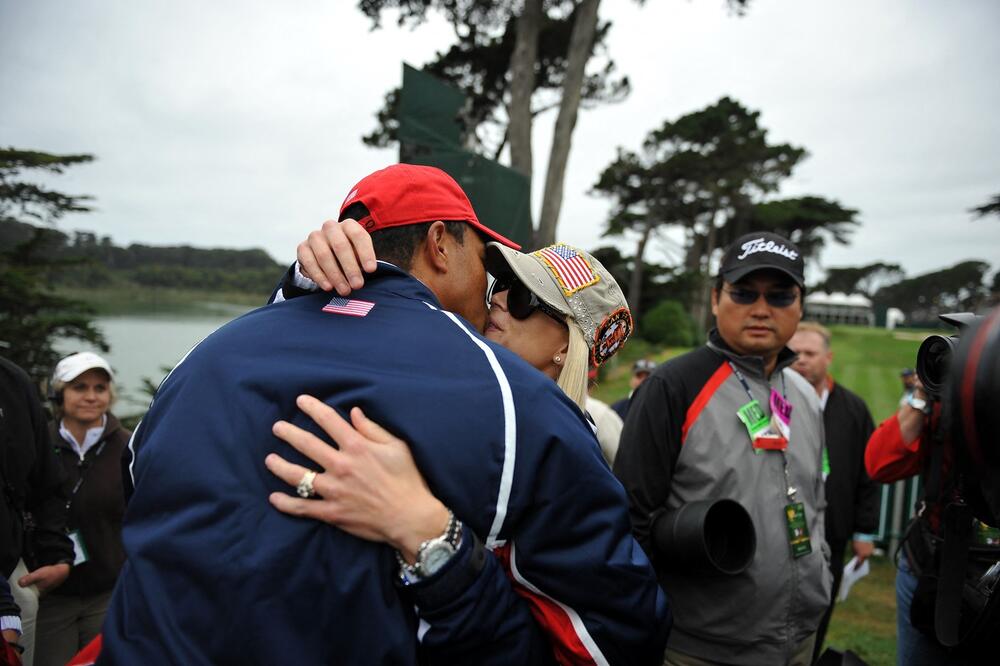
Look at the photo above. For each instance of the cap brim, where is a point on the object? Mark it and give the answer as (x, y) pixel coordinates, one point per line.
(494, 235)
(530, 271)
(737, 274)
(67, 372)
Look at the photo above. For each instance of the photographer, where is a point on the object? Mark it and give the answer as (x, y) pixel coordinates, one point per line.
(897, 451)
(917, 440)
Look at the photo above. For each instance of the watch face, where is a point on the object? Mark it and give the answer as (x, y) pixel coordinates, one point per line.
(435, 557)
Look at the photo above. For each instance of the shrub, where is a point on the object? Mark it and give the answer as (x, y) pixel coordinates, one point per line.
(669, 325)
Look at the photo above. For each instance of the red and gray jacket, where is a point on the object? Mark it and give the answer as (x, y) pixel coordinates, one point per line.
(683, 442)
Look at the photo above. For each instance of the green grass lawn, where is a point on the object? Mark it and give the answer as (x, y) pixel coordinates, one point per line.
(867, 361)
(866, 621)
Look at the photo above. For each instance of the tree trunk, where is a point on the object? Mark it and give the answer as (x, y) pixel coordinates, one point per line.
(522, 86)
(580, 43)
(705, 293)
(635, 280)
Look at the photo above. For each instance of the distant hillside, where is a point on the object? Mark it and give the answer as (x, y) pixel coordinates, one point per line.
(91, 262)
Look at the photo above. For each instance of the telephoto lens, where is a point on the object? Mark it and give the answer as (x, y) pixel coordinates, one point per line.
(934, 355)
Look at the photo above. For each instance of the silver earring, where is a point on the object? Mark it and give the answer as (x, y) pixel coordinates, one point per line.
(558, 360)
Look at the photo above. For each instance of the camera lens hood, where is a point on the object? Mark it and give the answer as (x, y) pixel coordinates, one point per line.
(712, 537)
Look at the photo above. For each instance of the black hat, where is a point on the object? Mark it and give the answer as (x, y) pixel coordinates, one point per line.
(760, 250)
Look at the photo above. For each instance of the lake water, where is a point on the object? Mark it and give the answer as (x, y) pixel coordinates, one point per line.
(142, 345)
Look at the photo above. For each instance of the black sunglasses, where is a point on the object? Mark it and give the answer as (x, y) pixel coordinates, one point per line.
(521, 301)
(776, 299)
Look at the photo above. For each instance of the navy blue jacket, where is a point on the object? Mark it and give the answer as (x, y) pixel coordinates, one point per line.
(215, 575)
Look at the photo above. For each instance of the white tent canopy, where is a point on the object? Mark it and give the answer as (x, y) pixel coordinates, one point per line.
(840, 308)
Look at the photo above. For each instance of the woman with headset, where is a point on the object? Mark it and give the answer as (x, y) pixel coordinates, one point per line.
(89, 442)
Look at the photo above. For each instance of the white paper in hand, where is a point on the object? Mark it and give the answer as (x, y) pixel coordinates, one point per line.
(852, 574)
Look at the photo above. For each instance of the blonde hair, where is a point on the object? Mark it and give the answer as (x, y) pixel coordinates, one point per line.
(573, 376)
(817, 328)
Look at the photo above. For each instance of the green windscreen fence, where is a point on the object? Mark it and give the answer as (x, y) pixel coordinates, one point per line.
(430, 133)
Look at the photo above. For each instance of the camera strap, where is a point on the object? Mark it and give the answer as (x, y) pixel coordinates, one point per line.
(957, 531)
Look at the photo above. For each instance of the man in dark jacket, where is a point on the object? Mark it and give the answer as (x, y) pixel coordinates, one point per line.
(640, 371)
(30, 479)
(215, 575)
(852, 498)
(731, 420)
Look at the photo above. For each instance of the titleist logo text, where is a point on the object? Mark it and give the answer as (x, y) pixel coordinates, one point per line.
(760, 245)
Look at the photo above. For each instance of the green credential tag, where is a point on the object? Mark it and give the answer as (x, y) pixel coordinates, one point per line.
(798, 530)
(754, 418)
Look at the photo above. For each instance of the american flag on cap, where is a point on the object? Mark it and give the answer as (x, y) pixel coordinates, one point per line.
(571, 270)
(348, 306)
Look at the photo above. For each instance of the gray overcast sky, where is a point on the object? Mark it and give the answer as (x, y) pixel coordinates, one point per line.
(237, 124)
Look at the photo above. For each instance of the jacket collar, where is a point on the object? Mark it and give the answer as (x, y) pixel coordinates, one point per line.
(751, 365)
(111, 426)
(389, 278)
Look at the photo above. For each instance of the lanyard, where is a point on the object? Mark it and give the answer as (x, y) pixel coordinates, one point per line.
(84, 466)
(746, 386)
(789, 488)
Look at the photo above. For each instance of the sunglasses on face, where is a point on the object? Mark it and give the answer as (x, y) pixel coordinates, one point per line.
(780, 298)
(521, 301)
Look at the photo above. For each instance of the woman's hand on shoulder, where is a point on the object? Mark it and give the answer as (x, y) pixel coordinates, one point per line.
(334, 255)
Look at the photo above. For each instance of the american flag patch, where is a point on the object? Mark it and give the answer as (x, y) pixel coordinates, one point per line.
(571, 270)
(348, 306)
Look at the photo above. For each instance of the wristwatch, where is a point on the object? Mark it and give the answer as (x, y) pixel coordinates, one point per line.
(917, 403)
(434, 553)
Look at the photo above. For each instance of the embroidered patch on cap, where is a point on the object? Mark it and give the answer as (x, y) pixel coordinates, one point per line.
(572, 271)
(611, 335)
(348, 306)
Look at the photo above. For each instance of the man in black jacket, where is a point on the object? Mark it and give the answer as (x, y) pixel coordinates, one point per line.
(852, 498)
(30, 480)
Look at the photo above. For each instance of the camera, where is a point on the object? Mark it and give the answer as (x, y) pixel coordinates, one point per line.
(934, 355)
(962, 372)
(958, 600)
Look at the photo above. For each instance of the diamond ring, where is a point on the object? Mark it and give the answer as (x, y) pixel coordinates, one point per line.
(305, 488)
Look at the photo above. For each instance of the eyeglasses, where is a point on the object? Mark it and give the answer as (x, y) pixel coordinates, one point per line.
(521, 301)
(776, 299)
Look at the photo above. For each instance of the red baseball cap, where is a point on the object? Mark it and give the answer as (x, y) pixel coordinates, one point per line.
(404, 194)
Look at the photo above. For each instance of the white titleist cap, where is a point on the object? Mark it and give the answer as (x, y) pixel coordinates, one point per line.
(75, 365)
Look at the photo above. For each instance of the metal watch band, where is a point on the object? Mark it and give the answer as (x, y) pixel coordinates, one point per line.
(452, 536)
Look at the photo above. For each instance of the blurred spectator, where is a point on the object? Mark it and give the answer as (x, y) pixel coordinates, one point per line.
(89, 443)
(642, 369)
(608, 423)
(31, 485)
(732, 420)
(910, 381)
(852, 498)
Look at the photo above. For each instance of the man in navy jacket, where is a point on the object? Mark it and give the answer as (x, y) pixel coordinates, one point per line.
(215, 575)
